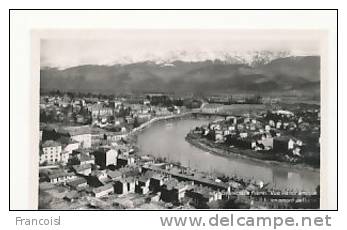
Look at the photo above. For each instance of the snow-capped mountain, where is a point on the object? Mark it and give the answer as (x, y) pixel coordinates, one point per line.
(250, 57)
(262, 72)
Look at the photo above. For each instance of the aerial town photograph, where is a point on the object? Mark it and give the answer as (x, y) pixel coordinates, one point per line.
(180, 119)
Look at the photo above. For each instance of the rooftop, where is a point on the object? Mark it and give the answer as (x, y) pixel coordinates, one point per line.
(114, 174)
(103, 188)
(81, 167)
(97, 173)
(59, 174)
(77, 182)
(50, 143)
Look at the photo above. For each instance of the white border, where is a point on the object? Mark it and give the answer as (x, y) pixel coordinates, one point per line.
(24, 113)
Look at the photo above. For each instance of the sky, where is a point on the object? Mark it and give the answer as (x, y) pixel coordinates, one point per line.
(73, 48)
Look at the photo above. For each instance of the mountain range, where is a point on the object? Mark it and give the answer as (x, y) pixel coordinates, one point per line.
(298, 74)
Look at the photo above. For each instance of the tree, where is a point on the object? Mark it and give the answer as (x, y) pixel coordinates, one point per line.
(44, 200)
(136, 122)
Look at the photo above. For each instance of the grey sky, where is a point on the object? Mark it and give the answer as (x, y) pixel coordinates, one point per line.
(73, 48)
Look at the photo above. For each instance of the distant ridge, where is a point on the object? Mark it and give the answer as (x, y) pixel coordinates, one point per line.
(262, 75)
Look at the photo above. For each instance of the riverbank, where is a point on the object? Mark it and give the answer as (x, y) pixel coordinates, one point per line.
(232, 153)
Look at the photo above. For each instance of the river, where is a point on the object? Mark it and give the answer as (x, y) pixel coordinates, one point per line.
(168, 140)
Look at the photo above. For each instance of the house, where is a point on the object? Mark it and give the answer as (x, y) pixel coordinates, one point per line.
(123, 149)
(243, 135)
(70, 146)
(103, 190)
(267, 140)
(77, 183)
(143, 117)
(219, 137)
(247, 142)
(284, 113)
(211, 108)
(203, 195)
(119, 121)
(114, 175)
(86, 159)
(142, 189)
(116, 136)
(99, 174)
(51, 152)
(100, 110)
(105, 156)
(125, 185)
(231, 119)
(81, 157)
(64, 157)
(173, 191)
(77, 152)
(283, 143)
(98, 178)
(129, 120)
(267, 128)
(142, 185)
(143, 181)
(125, 160)
(297, 151)
(84, 169)
(60, 177)
(156, 181)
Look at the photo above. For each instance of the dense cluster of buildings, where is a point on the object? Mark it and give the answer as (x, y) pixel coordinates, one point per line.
(86, 160)
(278, 131)
(112, 113)
(99, 175)
(69, 122)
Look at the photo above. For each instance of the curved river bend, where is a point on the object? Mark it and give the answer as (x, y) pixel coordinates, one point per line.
(168, 140)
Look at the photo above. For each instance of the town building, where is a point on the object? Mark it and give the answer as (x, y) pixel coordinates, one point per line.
(78, 183)
(103, 190)
(60, 177)
(51, 152)
(123, 160)
(142, 185)
(156, 181)
(98, 178)
(203, 195)
(80, 157)
(125, 185)
(100, 110)
(105, 156)
(173, 191)
(114, 175)
(84, 169)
